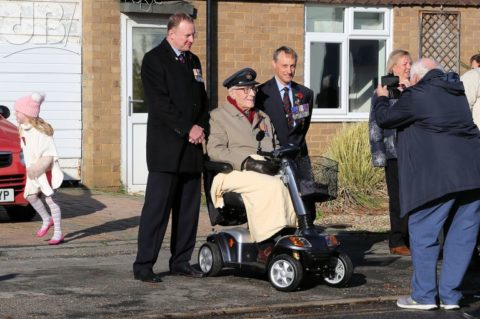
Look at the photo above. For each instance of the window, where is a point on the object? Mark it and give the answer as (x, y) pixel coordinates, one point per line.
(345, 55)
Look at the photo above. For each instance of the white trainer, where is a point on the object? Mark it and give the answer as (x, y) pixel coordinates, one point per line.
(408, 303)
(449, 307)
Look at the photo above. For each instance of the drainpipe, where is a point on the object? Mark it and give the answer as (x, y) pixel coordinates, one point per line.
(211, 47)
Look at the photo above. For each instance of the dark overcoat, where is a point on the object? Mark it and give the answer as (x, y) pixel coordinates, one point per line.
(269, 100)
(438, 143)
(176, 100)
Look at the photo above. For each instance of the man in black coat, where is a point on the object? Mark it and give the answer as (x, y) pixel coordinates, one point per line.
(176, 128)
(289, 106)
(439, 176)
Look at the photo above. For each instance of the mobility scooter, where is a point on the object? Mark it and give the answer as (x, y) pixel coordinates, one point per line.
(297, 250)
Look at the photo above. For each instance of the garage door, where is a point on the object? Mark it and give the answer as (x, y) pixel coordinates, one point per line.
(40, 50)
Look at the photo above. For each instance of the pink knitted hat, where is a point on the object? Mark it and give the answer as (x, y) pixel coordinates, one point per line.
(30, 104)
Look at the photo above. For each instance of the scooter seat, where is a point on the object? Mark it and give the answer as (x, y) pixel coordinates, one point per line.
(233, 212)
(233, 199)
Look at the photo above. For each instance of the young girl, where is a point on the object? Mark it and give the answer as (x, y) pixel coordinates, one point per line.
(41, 159)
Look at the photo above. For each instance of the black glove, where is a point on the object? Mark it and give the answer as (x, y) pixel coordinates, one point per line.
(263, 167)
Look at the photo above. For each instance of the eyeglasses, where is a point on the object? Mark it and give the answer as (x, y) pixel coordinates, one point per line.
(247, 89)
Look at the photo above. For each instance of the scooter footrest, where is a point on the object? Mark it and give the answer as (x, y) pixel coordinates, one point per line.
(315, 260)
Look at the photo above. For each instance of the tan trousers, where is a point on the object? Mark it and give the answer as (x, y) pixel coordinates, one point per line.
(267, 201)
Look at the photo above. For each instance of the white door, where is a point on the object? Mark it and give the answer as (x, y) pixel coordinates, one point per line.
(141, 36)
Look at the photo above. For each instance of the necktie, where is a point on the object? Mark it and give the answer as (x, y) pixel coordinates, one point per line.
(287, 107)
(181, 58)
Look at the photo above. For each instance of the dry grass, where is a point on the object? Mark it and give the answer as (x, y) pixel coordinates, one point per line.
(359, 183)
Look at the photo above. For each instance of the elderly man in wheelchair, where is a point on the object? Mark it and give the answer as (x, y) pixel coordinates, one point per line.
(242, 186)
(237, 131)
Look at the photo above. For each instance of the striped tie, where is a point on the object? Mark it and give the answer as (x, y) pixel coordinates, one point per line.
(287, 107)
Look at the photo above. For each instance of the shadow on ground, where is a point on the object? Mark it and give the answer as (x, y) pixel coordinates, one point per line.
(72, 199)
(111, 226)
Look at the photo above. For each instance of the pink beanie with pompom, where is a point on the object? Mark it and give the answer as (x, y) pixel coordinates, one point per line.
(30, 104)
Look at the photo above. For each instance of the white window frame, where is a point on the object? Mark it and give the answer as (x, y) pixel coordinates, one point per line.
(342, 113)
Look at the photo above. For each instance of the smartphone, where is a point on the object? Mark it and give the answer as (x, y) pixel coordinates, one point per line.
(391, 81)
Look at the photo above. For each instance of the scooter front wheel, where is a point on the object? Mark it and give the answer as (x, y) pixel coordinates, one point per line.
(339, 271)
(285, 272)
(210, 259)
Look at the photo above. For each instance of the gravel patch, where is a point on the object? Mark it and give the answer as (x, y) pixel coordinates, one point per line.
(355, 222)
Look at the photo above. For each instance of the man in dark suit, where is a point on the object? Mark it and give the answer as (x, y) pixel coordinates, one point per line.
(438, 148)
(289, 106)
(176, 128)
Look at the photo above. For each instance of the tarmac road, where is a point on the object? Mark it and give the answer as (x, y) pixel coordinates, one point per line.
(94, 280)
(90, 275)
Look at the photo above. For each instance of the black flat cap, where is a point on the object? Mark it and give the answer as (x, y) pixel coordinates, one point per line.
(243, 77)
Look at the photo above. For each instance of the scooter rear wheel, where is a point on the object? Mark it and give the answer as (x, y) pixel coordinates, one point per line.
(339, 271)
(210, 259)
(285, 273)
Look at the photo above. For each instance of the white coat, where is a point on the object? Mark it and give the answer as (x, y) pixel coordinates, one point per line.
(471, 83)
(36, 144)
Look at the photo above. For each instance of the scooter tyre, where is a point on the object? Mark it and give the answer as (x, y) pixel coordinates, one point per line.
(285, 273)
(210, 259)
(343, 271)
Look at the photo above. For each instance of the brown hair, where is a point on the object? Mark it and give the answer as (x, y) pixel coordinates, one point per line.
(40, 125)
(287, 51)
(476, 58)
(394, 57)
(175, 20)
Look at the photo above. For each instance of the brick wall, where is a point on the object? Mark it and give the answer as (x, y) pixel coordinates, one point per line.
(469, 26)
(248, 33)
(101, 94)
(406, 30)
(406, 35)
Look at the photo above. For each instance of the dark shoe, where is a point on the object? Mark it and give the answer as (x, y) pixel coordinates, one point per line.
(401, 250)
(262, 256)
(475, 261)
(148, 276)
(186, 270)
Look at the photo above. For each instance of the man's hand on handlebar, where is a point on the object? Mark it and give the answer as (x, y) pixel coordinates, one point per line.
(268, 167)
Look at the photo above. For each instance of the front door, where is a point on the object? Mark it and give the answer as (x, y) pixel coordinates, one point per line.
(141, 37)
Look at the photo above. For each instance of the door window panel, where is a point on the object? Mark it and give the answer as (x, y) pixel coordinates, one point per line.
(143, 39)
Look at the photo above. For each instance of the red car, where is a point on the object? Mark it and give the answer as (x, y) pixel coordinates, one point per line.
(12, 171)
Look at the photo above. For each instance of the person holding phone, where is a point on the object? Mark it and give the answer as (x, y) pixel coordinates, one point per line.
(438, 147)
(384, 151)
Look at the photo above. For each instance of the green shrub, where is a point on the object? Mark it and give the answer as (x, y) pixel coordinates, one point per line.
(359, 183)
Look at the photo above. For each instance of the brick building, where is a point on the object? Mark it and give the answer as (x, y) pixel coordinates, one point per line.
(342, 47)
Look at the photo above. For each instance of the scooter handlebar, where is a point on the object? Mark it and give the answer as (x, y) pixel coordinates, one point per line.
(289, 150)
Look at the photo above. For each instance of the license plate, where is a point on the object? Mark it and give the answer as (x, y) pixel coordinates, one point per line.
(7, 195)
